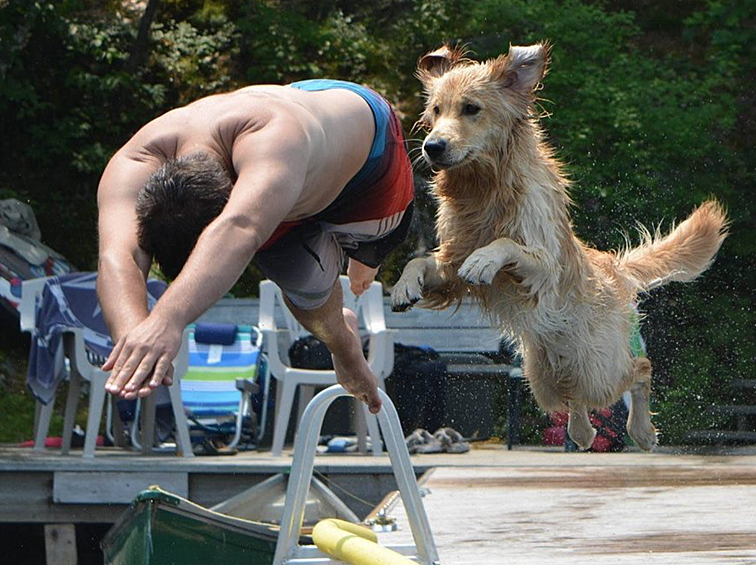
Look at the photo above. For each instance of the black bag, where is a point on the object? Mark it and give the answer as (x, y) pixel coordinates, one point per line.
(417, 386)
(309, 352)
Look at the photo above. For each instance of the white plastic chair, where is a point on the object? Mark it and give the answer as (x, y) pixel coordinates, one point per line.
(31, 293)
(369, 309)
(82, 368)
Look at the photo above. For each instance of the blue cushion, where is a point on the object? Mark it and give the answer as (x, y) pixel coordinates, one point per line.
(221, 334)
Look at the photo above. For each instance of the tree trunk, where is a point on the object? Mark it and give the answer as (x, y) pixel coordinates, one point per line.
(140, 49)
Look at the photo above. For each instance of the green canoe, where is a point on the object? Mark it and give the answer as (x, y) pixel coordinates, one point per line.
(162, 528)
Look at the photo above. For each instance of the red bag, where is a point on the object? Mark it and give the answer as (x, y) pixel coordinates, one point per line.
(608, 422)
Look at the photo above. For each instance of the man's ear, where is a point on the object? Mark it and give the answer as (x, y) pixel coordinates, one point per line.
(435, 63)
(523, 67)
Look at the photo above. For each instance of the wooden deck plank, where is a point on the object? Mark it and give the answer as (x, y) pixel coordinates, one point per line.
(661, 514)
(53, 488)
(97, 487)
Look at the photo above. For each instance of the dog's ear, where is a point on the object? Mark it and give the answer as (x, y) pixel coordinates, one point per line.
(523, 67)
(435, 63)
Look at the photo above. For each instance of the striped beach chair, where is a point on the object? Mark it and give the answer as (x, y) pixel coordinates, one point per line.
(224, 373)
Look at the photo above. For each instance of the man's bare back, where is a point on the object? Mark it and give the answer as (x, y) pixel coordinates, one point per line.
(334, 127)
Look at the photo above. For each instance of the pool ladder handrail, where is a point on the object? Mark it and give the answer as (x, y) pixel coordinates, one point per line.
(288, 550)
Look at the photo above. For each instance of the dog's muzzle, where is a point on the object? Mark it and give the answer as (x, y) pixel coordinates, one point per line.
(437, 153)
(434, 149)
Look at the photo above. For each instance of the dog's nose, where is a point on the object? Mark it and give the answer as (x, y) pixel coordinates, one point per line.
(434, 147)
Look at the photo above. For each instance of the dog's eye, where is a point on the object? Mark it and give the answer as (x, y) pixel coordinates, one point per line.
(436, 110)
(470, 109)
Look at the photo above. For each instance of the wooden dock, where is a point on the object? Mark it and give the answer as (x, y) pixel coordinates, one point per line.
(52, 488)
(565, 509)
(487, 507)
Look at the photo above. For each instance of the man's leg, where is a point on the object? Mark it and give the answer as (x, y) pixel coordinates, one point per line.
(337, 327)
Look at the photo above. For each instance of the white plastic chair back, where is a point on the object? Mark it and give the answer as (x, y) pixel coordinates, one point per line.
(31, 294)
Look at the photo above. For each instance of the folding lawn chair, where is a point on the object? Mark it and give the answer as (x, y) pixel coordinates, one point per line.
(224, 372)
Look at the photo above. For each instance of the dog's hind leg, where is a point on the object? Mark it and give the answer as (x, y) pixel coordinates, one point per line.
(639, 424)
(579, 426)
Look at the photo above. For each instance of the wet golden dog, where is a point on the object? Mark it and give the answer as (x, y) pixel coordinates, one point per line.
(505, 238)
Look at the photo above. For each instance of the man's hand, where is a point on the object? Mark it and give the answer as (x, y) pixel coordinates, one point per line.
(360, 276)
(145, 352)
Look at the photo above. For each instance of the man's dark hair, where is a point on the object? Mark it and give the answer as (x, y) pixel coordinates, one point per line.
(177, 202)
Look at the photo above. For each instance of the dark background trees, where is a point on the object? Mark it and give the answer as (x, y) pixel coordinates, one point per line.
(651, 108)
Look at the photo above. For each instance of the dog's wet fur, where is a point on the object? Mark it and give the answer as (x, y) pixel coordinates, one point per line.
(505, 238)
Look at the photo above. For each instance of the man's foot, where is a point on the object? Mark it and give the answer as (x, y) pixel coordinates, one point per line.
(360, 276)
(352, 370)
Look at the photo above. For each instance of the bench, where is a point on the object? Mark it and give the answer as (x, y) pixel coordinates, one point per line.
(744, 417)
(465, 341)
(474, 355)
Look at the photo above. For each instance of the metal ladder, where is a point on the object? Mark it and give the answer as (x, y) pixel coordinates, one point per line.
(288, 550)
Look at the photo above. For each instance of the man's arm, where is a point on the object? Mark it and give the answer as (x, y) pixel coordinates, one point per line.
(272, 166)
(122, 265)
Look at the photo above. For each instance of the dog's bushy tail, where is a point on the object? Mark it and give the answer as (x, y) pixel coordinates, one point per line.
(683, 254)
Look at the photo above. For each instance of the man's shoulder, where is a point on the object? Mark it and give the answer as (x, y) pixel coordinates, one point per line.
(279, 135)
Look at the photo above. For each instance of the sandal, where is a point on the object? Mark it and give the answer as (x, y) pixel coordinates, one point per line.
(422, 442)
(451, 441)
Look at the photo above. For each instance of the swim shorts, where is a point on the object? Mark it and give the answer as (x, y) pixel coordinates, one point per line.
(369, 218)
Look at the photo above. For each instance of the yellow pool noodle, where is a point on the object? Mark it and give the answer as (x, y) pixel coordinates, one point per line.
(354, 544)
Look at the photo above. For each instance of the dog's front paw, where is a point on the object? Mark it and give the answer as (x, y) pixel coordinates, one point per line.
(406, 292)
(480, 267)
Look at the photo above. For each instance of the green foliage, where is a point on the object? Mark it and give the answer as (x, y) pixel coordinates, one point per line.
(192, 60)
(701, 341)
(68, 104)
(651, 108)
(284, 46)
(16, 417)
(16, 404)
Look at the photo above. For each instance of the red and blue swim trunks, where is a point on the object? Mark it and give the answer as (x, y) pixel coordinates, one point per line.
(368, 219)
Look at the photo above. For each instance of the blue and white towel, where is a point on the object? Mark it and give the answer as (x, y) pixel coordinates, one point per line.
(69, 301)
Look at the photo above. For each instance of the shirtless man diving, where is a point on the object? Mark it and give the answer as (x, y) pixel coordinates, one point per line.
(294, 177)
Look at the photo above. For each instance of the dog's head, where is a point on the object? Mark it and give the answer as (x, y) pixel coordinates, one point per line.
(470, 105)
